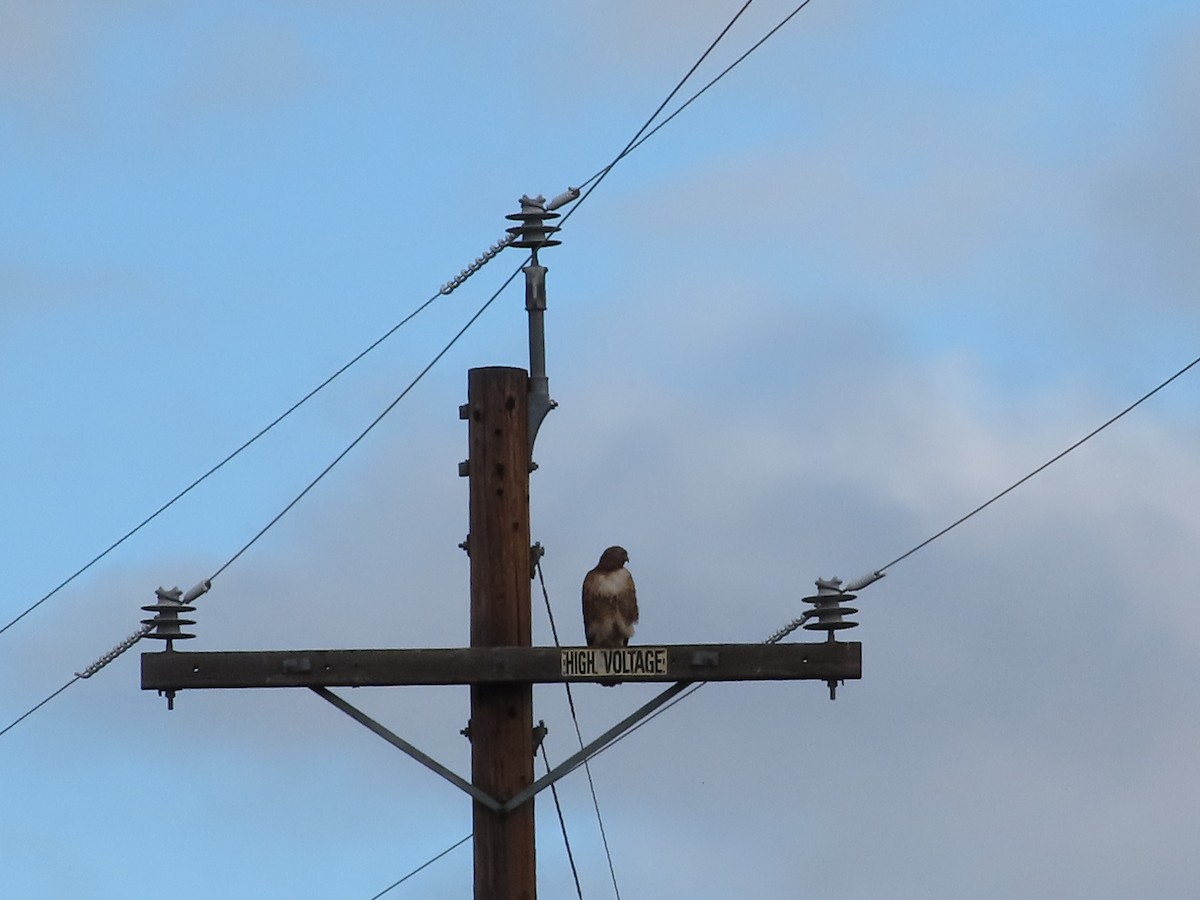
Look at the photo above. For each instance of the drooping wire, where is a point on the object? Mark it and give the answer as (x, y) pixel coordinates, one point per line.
(1016, 484)
(579, 736)
(423, 865)
(638, 141)
(562, 824)
(197, 482)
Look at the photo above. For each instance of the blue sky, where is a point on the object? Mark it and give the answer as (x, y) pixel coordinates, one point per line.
(896, 260)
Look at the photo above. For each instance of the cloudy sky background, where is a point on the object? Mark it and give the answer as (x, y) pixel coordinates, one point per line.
(896, 260)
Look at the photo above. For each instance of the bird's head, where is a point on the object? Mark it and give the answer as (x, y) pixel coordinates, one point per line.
(612, 558)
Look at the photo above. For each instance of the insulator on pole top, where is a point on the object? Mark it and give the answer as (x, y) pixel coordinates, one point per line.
(533, 233)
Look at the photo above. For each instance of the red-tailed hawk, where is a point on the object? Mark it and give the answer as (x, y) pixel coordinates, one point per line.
(609, 601)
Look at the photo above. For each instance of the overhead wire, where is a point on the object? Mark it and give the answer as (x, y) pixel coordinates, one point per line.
(579, 736)
(212, 471)
(1016, 484)
(594, 183)
(562, 824)
(796, 623)
(371, 427)
(423, 866)
(460, 842)
(145, 629)
(21, 718)
(638, 139)
(775, 638)
(642, 138)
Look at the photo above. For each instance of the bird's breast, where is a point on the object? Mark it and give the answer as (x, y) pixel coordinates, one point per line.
(612, 583)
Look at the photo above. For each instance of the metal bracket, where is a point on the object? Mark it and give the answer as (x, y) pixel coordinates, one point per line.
(401, 744)
(573, 762)
(565, 768)
(533, 234)
(536, 552)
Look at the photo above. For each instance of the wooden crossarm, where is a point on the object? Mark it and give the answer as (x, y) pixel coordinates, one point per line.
(174, 670)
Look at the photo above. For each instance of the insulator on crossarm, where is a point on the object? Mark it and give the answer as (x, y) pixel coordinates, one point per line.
(166, 624)
(828, 614)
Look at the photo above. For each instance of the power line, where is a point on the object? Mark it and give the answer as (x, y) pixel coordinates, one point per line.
(579, 736)
(562, 824)
(796, 623)
(354, 443)
(595, 180)
(1016, 484)
(642, 138)
(17, 721)
(197, 482)
(775, 638)
(423, 865)
(134, 638)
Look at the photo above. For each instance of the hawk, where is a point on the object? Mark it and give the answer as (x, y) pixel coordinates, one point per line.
(609, 601)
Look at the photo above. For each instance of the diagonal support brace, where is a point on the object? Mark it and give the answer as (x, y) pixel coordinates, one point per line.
(573, 762)
(401, 744)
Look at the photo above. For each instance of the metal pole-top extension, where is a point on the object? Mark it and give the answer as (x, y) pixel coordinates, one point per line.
(533, 234)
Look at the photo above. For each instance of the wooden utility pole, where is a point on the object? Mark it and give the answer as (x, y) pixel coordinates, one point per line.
(501, 726)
